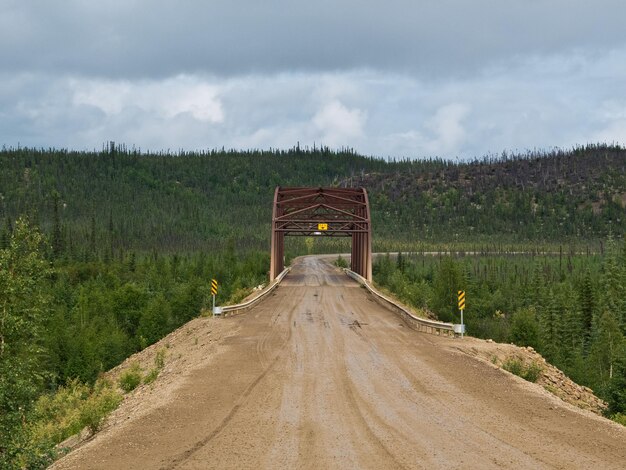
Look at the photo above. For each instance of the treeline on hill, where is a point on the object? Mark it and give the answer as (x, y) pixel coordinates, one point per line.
(575, 195)
(571, 308)
(120, 199)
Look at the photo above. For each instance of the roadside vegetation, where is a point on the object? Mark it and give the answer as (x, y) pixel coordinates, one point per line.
(63, 322)
(571, 308)
(530, 372)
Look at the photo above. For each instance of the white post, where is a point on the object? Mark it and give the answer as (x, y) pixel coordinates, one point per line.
(462, 326)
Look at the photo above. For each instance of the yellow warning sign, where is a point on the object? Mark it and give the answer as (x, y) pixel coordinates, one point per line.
(322, 227)
(213, 287)
(461, 300)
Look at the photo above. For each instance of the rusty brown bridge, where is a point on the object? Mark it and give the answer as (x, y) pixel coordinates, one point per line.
(328, 212)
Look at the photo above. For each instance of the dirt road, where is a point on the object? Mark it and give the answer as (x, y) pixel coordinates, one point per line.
(320, 376)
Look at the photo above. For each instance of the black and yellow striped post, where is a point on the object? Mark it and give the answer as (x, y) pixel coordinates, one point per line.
(461, 308)
(213, 291)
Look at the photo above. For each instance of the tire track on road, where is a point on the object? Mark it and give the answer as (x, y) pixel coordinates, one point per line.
(184, 456)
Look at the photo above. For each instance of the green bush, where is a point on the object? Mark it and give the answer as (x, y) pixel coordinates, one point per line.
(131, 378)
(238, 295)
(97, 407)
(72, 408)
(159, 363)
(341, 262)
(159, 360)
(151, 376)
(525, 328)
(57, 416)
(530, 372)
(514, 366)
(619, 418)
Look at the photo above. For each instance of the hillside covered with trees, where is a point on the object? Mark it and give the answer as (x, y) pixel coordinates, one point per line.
(98, 203)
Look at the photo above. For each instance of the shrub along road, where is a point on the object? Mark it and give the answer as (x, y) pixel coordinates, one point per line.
(320, 376)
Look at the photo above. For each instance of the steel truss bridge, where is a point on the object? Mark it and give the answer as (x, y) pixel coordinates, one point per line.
(326, 212)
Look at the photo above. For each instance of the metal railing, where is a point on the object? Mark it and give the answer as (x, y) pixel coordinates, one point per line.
(233, 309)
(417, 323)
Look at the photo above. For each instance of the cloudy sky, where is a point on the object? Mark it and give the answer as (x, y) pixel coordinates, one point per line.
(400, 78)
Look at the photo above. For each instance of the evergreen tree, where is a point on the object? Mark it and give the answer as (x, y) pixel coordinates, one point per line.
(607, 348)
(5, 239)
(57, 235)
(92, 238)
(613, 288)
(525, 330)
(536, 295)
(154, 321)
(549, 320)
(400, 264)
(23, 308)
(587, 307)
(447, 283)
(571, 337)
(111, 235)
(616, 393)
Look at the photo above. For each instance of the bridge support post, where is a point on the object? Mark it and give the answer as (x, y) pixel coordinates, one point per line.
(277, 253)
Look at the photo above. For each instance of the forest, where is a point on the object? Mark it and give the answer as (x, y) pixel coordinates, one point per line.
(121, 199)
(569, 307)
(103, 253)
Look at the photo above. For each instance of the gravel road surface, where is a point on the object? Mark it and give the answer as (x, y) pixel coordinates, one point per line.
(320, 376)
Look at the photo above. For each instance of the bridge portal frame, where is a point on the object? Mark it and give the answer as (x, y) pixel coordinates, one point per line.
(328, 212)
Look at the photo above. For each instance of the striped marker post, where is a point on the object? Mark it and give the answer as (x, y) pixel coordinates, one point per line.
(213, 291)
(461, 308)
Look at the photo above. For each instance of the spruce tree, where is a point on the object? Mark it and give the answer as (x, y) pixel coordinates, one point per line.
(607, 348)
(587, 307)
(613, 286)
(92, 238)
(57, 236)
(549, 320)
(616, 393)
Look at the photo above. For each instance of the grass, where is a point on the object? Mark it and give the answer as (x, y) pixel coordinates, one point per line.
(619, 418)
(551, 389)
(159, 363)
(62, 414)
(530, 372)
(94, 410)
(76, 406)
(238, 295)
(151, 376)
(131, 378)
(72, 408)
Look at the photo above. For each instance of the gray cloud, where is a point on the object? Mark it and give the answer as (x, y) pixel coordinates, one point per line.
(159, 38)
(533, 103)
(399, 78)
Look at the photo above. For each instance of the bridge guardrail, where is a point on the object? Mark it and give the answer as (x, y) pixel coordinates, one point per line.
(233, 309)
(417, 323)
